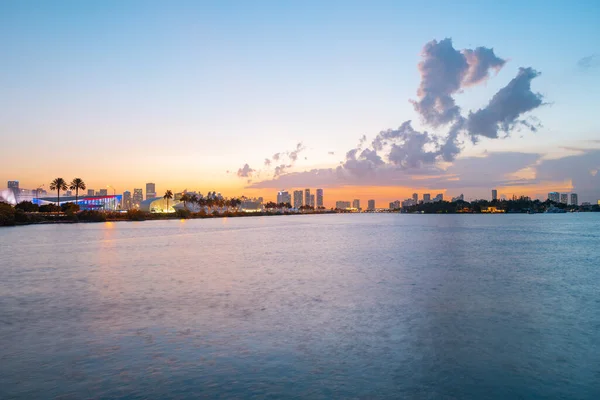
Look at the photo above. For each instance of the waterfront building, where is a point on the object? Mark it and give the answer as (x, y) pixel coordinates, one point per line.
(307, 197)
(158, 205)
(298, 199)
(371, 205)
(138, 197)
(150, 190)
(554, 196)
(319, 197)
(312, 200)
(426, 198)
(564, 198)
(415, 198)
(90, 192)
(574, 200)
(284, 197)
(69, 193)
(126, 205)
(494, 194)
(439, 197)
(356, 204)
(14, 187)
(394, 205)
(342, 205)
(460, 197)
(103, 192)
(100, 203)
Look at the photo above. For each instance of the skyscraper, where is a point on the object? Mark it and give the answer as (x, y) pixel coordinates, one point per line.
(14, 187)
(415, 198)
(284, 197)
(319, 197)
(371, 205)
(356, 204)
(574, 200)
(90, 192)
(564, 198)
(494, 194)
(297, 199)
(307, 196)
(150, 190)
(138, 197)
(426, 197)
(103, 192)
(439, 197)
(126, 200)
(554, 196)
(312, 200)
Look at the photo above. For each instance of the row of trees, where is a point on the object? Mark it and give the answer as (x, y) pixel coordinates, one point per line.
(209, 201)
(59, 184)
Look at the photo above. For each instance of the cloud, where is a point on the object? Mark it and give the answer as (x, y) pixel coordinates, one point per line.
(506, 107)
(276, 156)
(245, 171)
(591, 61)
(267, 162)
(280, 169)
(293, 155)
(445, 71)
(331, 153)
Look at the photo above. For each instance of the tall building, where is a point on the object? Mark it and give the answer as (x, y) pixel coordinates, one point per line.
(319, 197)
(69, 193)
(14, 187)
(415, 198)
(426, 197)
(307, 196)
(298, 199)
(394, 205)
(126, 200)
(554, 196)
(494, 194)
(574, 201)
(342, 205)
(439, 197)
(356, 204)
(90, 192)
(371, 205)
(312, 200)
(150, 190)
(138, 197)
(564, 198)
(103, 192)
(284, 197)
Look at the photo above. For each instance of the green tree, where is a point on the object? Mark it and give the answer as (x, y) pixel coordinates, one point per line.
(77, 184)
(58, 184)
(185, 198)
(168, 195)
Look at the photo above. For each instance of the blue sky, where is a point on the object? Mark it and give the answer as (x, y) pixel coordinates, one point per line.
(205, 87)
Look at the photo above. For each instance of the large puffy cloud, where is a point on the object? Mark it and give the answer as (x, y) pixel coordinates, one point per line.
(507, 106)
(444, 71)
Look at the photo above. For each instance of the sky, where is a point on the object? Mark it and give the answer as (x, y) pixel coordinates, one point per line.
(254, 97)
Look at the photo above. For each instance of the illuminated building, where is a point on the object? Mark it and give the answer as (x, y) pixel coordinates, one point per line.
(101, 203)
(415, 198)
(138, 197)
(319, 197)
(371, 205)
(494, 194)
(394, 205)
(312, 200)
(356, 204)
(150, 190)
(158, 205)
(298, 198)
(554, 196)
(342, 205)
(574, 200)
(126, 200)
(14, 187)
(103, 192)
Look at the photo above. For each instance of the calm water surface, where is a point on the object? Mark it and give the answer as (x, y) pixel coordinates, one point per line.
(332, 306)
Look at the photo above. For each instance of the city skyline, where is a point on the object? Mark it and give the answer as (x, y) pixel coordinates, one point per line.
(203, 104)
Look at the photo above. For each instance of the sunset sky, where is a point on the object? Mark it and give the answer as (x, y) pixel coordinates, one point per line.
(186, 94)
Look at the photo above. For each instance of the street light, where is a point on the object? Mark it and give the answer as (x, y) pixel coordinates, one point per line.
(114, 197)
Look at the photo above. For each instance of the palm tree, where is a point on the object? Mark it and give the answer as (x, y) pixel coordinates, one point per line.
(77, 184)
(168, 195)
(58, 184)
(185, 198)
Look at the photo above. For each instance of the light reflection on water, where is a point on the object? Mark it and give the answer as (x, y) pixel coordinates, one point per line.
(371, 306)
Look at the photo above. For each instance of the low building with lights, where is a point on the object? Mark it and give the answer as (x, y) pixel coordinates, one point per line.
(99, 203)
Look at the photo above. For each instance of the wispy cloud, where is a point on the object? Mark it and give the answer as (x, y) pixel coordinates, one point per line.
(588, 62)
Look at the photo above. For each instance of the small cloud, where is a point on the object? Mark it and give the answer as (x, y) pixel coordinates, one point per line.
(267, 162)
(245, 171)
(331, 153)
(591, 61)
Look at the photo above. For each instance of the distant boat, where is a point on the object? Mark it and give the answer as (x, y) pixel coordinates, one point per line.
(555, 210)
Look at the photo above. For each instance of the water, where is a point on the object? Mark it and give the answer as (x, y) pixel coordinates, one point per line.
(331, 306)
